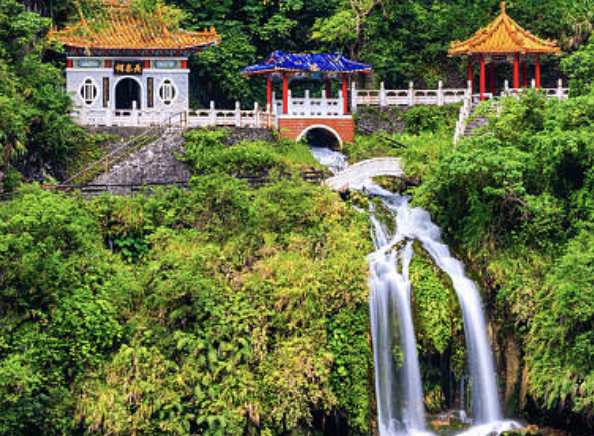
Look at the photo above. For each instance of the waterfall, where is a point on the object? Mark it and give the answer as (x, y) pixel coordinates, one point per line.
(390, 293)
(400, 406)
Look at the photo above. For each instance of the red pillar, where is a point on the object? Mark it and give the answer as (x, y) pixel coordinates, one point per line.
(269, 91)
(328, 88)
(470, 73)
(537, 72)
(344, 94)
(285, 93)
(68, 63)
(492, 78)
(524, 74)
(483, 78)
(517, 71)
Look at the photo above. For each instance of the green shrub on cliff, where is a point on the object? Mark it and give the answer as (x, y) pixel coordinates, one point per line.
(245, 312)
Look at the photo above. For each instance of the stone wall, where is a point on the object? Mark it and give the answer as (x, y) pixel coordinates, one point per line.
(372, 119)
(157, 162)
(249, 134)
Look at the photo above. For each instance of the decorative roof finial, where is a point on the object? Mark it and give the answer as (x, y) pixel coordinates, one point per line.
(503, 7)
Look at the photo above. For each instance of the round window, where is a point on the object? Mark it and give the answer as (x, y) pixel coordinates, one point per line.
(89, 92)
(167, 92)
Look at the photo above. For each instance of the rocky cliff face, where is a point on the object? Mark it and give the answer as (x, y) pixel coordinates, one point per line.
(157, 162)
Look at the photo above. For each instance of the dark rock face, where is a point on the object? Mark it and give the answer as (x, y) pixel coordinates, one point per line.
(249, 134)
(155, 163)
(125, 133)
(387, 119)
(158, 161)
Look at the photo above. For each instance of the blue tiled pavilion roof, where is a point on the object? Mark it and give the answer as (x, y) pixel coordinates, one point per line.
(307, 62)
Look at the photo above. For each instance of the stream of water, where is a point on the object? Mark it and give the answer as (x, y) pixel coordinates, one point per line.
(398, 382)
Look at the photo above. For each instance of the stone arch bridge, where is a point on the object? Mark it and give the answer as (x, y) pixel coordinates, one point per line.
(361, 171)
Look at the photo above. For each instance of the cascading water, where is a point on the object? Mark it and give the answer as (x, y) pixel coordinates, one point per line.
(390, 295)
(390, 292)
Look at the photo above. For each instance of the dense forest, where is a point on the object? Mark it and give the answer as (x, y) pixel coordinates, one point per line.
(227, 309)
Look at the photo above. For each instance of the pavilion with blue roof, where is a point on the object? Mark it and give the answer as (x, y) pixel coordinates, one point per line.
(312, 66)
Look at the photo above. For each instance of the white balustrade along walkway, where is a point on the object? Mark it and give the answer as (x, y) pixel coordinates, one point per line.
(191, 118)
(467, 108)
(406, 97)
(361, 171)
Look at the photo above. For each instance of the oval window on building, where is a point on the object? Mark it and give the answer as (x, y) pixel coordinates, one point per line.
(167, 92)
(89, 92)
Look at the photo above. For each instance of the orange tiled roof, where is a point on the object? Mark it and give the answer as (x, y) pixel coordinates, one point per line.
(503, 36)
(117, 27)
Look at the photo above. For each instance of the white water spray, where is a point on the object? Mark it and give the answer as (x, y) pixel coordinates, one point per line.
(390, 294)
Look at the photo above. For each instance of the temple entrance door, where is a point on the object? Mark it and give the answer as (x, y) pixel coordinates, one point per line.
(127, 92)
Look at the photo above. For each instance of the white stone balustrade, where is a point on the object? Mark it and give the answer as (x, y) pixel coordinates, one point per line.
(193, 118)
(310, 107)
(405, 97)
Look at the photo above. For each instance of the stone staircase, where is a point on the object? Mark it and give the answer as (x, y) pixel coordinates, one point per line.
(474, 123)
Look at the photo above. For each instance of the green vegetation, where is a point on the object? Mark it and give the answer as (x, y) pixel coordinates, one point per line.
(34, 106)
(225, 310)
(219, 311)
(517, 203)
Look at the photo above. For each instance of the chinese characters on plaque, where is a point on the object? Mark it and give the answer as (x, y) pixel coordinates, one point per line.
(127, 67)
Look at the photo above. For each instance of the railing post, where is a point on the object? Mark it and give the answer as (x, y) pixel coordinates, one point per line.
(134, 113)
(213, 114)
(411, 94)
(383, 98)
(469, 89)
(108, 117)
(506, 86)
(307, 104)
(560, 88)
(440, 94)
(238, 114)
(269, 114)
(289, 102)
(353, 97)
(256, 114)
(340, 102)
(533, 84)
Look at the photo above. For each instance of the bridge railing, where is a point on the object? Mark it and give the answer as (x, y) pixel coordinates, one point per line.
(310, 107)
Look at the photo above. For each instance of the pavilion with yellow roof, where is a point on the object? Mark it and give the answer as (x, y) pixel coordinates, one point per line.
(503, 41)
(125, 62)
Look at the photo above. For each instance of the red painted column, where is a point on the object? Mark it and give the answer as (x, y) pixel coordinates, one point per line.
(537, 72)
(483, 78)
(184, 64)
(524, 74)
(269, 91)
(344, 94)
(285, 94)
(492, 78)
(470, 73)
(68, 63)
(517, 71)
(328, 88)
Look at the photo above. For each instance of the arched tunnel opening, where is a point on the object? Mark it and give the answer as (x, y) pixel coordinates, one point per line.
(322, 137)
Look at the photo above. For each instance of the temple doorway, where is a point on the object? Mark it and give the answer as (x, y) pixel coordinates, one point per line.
(127, 92)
